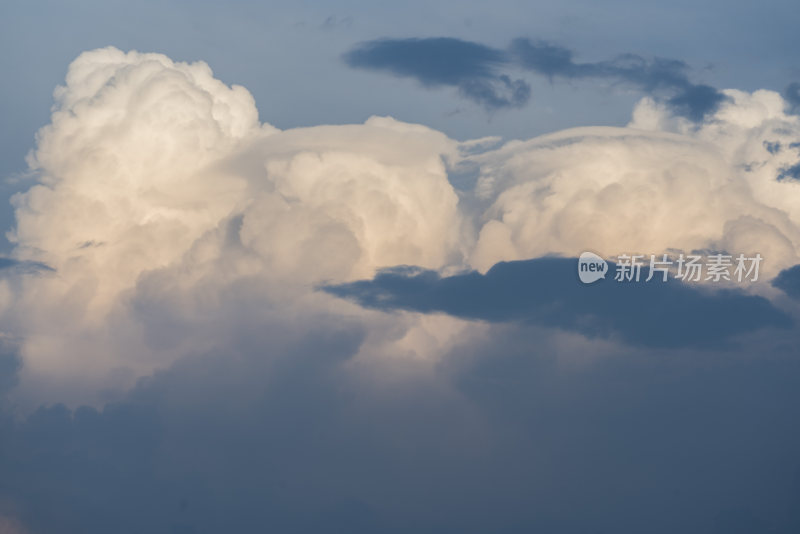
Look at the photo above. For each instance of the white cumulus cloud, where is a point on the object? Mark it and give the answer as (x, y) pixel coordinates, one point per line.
(169, 212)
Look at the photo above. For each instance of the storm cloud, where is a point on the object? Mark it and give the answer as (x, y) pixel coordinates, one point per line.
(513, 432)
(174, 368)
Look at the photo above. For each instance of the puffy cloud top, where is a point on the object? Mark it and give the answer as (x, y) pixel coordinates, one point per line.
(164, 208)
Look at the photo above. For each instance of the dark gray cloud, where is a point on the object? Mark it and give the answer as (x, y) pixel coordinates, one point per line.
(658, 76)
(475, 69)
(553, 60)
(471, 67)
(435, 61)
(546, 291)
(696, 101)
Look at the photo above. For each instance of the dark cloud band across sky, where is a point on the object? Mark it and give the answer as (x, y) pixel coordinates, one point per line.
(471, 67)
(546, 292)
(481, 74)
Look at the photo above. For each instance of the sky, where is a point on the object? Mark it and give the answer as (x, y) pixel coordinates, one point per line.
(304, 267)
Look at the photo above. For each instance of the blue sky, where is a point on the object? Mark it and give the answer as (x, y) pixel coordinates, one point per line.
(305, 267)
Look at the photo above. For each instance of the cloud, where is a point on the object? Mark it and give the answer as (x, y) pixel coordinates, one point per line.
(640, 190)
(152, 169)
(696, 101)
(546, 292)
(166, 209)
(177, 371)
(474, 69)
(300, 437)
(657, 76)
(443, 61)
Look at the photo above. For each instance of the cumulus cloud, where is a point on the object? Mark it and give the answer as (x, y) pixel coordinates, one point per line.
(164, 207)
(661, 184)
(156, 180)
(124, 169)
(166, 273)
